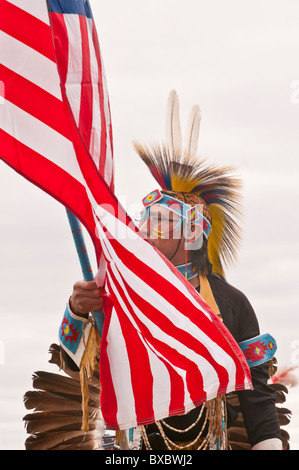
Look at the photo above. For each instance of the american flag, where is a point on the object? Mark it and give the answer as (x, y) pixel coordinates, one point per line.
(163, 350)
(35, 136)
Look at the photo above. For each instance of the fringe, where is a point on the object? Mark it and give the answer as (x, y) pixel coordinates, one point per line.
(272, 367)
(62, 365)
(87, 367)
(120, 439)
(216, 410)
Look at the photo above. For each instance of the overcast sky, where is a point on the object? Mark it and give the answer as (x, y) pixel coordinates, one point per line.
(239, 62)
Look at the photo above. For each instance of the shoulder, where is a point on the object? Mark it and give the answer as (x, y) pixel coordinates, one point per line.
(235, 305)
(228, 293)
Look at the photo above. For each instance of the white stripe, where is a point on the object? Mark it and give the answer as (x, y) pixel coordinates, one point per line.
(95, 141)
(40, 138)
(74, 73)
(109, 163)
(37, 8)
(161, 383)
(29, 64)
(120, 371)
(100, 275)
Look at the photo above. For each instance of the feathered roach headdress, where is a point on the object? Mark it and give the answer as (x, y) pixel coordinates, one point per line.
(182, 175)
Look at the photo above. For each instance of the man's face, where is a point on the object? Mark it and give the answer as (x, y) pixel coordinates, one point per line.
(163, 228)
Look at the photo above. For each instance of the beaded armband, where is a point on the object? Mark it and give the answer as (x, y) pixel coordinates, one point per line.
(74, 332)
(259, 349)
(79, 338)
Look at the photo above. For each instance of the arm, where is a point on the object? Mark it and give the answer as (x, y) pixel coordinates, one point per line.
(258, 405)
(75, 327)
(259, 412)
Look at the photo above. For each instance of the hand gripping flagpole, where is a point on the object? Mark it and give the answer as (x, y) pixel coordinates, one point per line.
(84, 261)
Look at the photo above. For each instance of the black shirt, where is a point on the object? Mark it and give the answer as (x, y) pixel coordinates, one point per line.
(257, 405)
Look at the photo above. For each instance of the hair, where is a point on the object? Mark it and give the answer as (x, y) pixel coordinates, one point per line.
(200, 259)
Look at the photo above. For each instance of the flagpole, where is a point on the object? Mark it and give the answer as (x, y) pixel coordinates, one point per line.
(84, 261)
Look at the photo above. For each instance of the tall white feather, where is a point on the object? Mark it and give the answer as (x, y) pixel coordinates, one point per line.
(192, 132)
(173, 126)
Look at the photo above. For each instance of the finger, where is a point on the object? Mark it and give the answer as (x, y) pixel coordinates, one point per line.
(85, 285)
(85, 307)
(91, 303)
(88, 285)
(89, 295)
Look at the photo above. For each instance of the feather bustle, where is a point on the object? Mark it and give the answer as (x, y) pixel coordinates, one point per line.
(56, 417)
(237, 434)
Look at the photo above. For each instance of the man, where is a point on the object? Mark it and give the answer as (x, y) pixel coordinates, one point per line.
(193, 222)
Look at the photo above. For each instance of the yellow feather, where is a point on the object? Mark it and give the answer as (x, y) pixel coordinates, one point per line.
(179, 184)
(216, 239)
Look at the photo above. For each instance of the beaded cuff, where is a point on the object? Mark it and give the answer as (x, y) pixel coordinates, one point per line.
(259, 349)
(73, 335)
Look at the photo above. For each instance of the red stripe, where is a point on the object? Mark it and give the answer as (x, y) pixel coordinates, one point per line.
(60, 37)
(177, 391)
(86, 107)
(108, 396)
(26, 28)
(139, 365)
(103, 145)
(34, 100)
(50, 178)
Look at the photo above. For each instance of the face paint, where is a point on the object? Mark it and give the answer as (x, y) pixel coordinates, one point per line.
(159, 222)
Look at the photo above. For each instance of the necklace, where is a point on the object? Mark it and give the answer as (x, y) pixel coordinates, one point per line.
(170, 445)
(187, 270)
(213, 407)
(186, 429)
